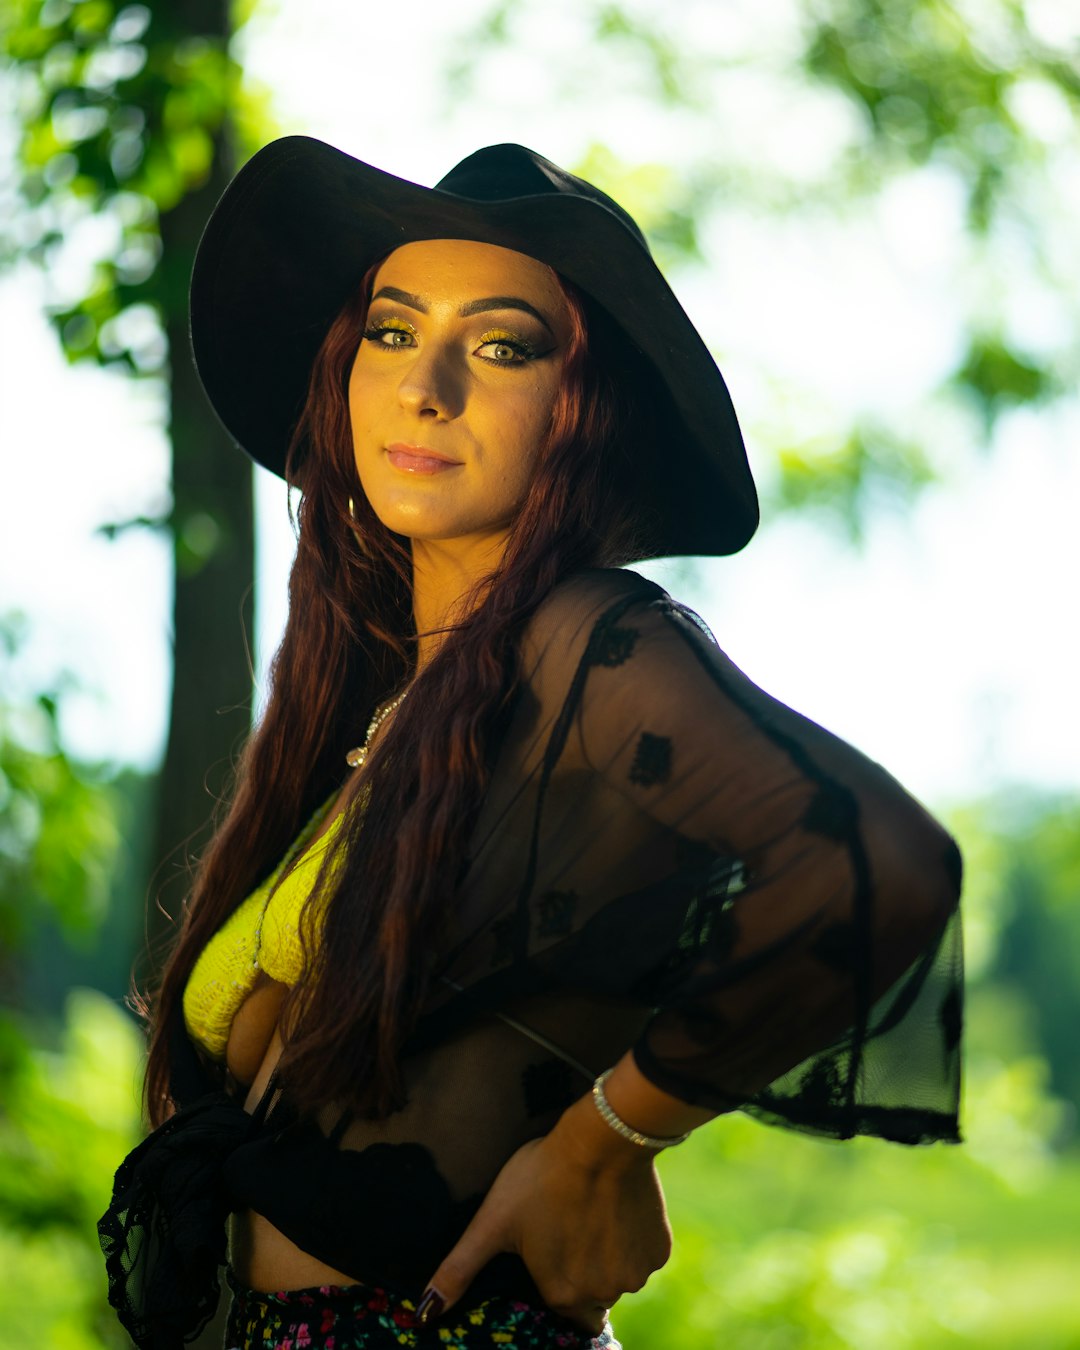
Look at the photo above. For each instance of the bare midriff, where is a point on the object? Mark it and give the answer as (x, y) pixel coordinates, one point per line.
(260, 1254)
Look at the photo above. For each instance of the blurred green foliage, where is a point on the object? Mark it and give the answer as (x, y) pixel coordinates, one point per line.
(58, 829)
(1036, 967)
(668, 207)
(941, 80)
(70, 1114)
(119, 107)
(69, 1087)
(995, 377)
(782, 1241)
(850, 480)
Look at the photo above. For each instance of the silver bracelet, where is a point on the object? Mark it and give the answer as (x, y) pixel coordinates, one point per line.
(608, 1116)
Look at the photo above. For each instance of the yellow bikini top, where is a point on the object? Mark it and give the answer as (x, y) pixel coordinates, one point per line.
(261, 934)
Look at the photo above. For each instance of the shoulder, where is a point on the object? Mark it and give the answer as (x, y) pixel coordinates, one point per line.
(603, 616)
(584, 602)
(571, 613)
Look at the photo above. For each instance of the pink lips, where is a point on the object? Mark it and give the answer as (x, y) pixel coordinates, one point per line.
(418, 459)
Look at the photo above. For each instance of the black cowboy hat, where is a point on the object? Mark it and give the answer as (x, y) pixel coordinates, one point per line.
(301, 222)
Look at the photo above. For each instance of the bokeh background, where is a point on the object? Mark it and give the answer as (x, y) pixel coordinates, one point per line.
(870, 209)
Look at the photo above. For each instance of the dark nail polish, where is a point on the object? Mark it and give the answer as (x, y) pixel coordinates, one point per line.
(431, 1305)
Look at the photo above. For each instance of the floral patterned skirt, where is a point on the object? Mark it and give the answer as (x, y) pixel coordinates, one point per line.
(359, 1316)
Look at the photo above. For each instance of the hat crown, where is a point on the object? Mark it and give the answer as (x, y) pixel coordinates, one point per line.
(502, 172)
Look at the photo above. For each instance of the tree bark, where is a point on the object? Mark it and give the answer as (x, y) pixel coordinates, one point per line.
(213, 533)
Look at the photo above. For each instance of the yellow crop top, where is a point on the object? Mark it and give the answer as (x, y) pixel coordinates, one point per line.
(261, 934)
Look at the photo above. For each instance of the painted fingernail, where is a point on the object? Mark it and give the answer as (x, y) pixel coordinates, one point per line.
(431, 1305)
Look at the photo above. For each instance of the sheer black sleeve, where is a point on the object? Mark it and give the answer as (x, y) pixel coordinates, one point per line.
(812, 970)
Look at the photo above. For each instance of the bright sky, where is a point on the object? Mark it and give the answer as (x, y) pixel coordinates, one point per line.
(946, 650)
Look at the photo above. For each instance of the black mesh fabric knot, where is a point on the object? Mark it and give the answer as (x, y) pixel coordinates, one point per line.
(164, 1235)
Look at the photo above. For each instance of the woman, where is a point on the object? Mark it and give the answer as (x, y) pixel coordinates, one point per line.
(522, 880)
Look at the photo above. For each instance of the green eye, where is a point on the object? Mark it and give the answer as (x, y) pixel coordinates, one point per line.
(503, 352)
(505, 349)
(389, 336)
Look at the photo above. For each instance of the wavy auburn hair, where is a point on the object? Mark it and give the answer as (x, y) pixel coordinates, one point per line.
(349, 644)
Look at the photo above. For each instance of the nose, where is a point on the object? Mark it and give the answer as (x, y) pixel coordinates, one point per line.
(432, 387)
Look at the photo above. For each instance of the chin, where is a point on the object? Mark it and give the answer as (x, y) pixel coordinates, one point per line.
(419, 525)
(424, 521)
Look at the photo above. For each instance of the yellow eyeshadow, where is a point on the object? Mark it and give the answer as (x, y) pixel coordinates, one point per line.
(520, 344)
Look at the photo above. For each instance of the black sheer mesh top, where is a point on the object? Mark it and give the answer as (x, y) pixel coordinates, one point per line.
(667, 860)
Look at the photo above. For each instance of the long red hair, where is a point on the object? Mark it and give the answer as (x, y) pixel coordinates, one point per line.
(349, 643)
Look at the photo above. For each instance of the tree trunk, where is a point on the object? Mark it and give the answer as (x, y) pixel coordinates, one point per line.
(213, 532)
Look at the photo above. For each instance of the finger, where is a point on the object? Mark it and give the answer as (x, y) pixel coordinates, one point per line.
(482, 1240)
(590, 1312)
(592, 1317)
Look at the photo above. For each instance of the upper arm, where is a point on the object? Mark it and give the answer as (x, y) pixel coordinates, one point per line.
(846, 879)
(668, 720)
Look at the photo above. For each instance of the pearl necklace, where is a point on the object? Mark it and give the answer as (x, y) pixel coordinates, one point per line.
(356, 757)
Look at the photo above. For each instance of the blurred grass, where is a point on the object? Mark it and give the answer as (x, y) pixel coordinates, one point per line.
(70, 1113)
(785, 1241)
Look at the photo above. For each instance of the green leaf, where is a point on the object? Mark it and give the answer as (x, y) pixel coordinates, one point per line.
(843, 482)
(665, 206)
(59, 832)
(996, 377)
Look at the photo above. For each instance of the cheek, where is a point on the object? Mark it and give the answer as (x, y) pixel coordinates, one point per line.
(361, 404)
(355, 396)
(531, 419)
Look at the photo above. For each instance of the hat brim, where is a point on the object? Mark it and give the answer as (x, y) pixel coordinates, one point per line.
(294, 233)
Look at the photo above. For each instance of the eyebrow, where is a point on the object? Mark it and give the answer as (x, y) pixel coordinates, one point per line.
(470, 307)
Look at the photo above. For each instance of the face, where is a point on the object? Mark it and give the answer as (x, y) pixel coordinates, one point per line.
(452, 388)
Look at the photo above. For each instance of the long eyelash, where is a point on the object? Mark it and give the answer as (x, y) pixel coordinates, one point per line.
(524, 349)
(385, 326)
